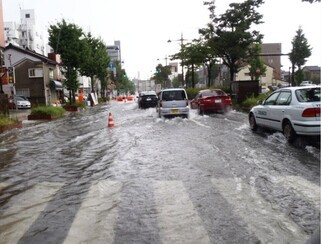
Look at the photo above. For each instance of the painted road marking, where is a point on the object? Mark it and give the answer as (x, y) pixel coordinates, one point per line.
(179, 222)
(265, 221)
(17, 219)
(95, 220)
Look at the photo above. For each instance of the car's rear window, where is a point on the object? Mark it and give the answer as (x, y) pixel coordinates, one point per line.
(308, 94)
(213, 93)
(173, 95)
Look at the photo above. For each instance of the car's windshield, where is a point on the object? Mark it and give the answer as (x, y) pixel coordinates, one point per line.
(308, 94)
(20, 99)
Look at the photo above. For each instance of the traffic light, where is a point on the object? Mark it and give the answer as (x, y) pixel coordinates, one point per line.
(124, 75)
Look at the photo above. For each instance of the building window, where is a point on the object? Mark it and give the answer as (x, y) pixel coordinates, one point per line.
(51, 74)
(23, 92)
(27, 16)
(34, 73)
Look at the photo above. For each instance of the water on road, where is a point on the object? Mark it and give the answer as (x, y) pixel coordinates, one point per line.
(206, 179)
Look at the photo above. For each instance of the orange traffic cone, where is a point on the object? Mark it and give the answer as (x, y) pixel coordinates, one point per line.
(110, 120)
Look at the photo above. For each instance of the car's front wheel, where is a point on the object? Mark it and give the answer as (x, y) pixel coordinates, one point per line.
(252, 122)
(289, 132)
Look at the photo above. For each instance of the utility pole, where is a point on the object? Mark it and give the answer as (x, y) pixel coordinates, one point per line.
(181, 40)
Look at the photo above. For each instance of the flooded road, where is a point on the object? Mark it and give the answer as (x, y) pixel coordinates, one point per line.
(206, 179)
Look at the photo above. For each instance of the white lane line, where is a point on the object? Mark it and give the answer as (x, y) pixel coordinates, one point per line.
(309, 190)
(262, 219)
(178, 221)
(97, 216)
(26, 208)
(200, 124)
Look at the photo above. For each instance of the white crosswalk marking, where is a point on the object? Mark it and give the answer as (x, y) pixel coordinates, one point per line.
(309, 190)
(178, 220)
(28, 205)
(262, 219)
(96, 218)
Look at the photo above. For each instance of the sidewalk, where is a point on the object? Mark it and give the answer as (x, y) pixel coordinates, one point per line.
(21, 114)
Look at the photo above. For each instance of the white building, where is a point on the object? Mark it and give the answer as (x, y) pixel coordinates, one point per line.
(144, 85)
(25, 34)
(11, 33)
(114, 52)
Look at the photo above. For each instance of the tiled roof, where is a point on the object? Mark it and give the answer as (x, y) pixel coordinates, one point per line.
(31, 53)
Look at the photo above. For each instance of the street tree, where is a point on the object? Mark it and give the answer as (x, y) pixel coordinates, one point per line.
(257, 66)
(209, 58)
(231, 35)
(192, 55)
(161, 75)
(96, 62)
(65, 39)
(119, 77)
(301, 50)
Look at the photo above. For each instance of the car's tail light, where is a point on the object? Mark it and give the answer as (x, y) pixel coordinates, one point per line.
(160, 104)
(311, 112)
(186, 103)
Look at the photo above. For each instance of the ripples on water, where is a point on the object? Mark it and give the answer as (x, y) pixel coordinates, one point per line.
(74, 151)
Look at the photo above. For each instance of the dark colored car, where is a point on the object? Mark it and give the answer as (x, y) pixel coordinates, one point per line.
(212, 100)
(147, 99)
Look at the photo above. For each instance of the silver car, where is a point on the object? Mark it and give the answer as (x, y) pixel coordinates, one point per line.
(173, 102)
(291, 110)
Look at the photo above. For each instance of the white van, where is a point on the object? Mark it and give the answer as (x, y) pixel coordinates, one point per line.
(173, 102)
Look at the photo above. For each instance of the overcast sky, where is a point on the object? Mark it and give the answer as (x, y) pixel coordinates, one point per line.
(144, 26)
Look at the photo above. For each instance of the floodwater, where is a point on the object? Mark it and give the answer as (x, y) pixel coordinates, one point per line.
(206, 179)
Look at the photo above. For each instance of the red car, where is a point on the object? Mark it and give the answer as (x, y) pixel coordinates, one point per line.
(211, 100)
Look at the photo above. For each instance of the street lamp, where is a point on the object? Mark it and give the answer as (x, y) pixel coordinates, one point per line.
(182, 42)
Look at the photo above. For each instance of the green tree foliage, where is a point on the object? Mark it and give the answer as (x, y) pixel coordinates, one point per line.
(161, 75)
(257, 66)
(66, 40)
(230, 35)
(95, 63)
(192, 55)
(300, 52)
(123, 84)
(176, 82)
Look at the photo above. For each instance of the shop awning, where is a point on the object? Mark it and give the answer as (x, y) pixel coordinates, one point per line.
(57, 85)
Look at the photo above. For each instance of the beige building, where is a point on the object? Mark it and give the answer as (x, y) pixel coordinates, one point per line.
(265, 80)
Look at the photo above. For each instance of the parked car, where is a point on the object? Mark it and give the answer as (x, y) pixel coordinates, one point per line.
(306, 83)
(291, 110)
(173, 102)
(147, 99)
(19, 102)
(211, 100)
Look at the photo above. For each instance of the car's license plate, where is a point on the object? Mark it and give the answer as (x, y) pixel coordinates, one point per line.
(174, 111)
(218, 100)
(148, 99)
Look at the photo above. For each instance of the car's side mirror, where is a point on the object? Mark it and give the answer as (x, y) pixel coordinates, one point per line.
(260, 102)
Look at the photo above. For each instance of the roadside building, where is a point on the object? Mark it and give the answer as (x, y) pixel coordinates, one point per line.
(312, 73)
(25, 34)
(32, 75)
